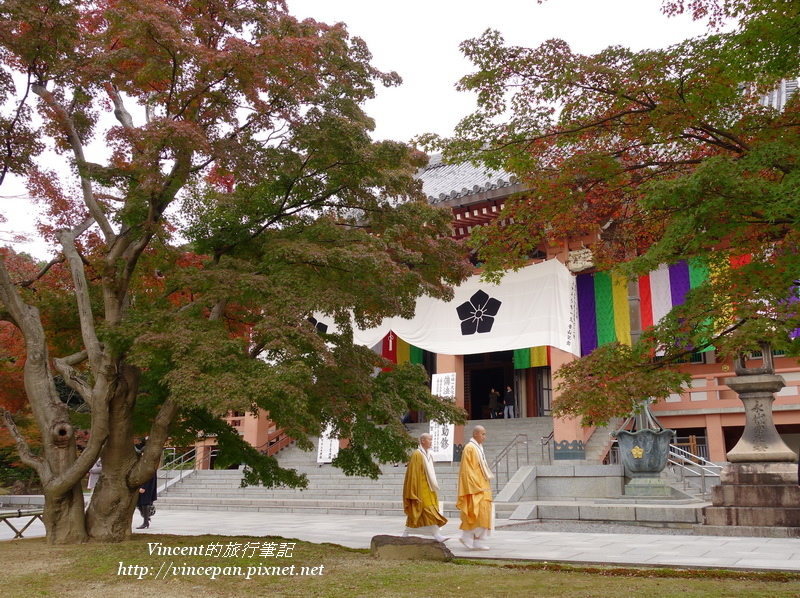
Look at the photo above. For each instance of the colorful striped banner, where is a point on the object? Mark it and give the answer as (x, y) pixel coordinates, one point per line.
(522, 359)
(532, 357)
(603, 310)
(604, 307)
(398, 351)
(415, 354)
(540, 356)
(717, 272)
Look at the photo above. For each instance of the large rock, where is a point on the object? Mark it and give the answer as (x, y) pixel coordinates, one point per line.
(409, 548)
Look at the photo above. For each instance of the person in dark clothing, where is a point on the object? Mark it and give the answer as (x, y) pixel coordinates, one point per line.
(508, 403)
(148, 494)
(494, 403)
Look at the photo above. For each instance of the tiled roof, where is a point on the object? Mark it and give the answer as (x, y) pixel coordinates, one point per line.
(441, 181)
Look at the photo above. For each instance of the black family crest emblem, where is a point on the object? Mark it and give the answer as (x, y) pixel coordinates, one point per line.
(477, 314)
(320, 326)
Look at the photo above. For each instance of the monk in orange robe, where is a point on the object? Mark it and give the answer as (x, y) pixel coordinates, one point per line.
(475, 493)
(420, 498)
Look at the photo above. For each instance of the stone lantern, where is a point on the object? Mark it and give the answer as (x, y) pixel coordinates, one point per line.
(759, 486)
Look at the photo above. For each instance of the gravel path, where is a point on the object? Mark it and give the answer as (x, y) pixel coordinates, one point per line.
(587, 527)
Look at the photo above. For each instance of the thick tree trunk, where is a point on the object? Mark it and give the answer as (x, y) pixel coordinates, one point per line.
(108, 518)
(57, 469)
(61, 478)
(110, 512)
(64, 518)
(63, 502)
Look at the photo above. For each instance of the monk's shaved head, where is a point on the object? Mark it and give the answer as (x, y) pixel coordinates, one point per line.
(479, 433)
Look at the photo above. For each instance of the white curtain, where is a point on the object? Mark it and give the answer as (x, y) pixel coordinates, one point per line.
(534, 306)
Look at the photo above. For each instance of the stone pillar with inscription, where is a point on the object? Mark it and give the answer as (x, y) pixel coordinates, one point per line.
(759, 486)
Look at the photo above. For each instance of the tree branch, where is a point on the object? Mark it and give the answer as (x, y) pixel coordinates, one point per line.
(43, 271)
(23, 449)
(10, 127)
(120, 112)
(70, 375)
(159, 432)
(66, 121)
(85, 312)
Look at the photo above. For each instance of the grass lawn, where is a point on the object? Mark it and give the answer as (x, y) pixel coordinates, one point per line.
(278, 567)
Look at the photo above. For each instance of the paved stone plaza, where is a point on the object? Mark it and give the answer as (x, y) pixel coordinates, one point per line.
(653, 549)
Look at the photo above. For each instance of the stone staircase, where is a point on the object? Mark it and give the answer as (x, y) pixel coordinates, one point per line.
(601, 440)
(330, 491)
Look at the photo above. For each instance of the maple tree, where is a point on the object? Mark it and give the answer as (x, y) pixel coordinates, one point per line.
(210, 183)
(12, 354)
(663, 154)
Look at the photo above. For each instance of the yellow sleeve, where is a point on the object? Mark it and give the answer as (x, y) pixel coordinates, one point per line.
(412, 497)
(470, 477)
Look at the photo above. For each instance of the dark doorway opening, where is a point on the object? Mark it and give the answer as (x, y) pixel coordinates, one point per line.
(482, 372)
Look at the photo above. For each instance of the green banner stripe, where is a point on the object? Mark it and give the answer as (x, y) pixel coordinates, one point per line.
(604, 308)
(415, 354)
(698, 272)
(522, 359)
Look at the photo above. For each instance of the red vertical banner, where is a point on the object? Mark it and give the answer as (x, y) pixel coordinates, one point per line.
(646, 302)
(389, 350)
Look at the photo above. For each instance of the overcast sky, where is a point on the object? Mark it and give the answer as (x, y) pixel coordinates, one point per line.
(419, 39)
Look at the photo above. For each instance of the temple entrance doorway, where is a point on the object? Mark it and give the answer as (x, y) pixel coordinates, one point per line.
(482, 372)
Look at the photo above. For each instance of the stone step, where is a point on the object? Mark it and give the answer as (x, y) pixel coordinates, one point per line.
(288, 492)
(315, 483)
(665, 513)
(286, 496)
(259, 491)
(221, 489)
(499, 434)
(370, 507)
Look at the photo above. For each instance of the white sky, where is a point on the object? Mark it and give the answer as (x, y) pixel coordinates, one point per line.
(419, 39)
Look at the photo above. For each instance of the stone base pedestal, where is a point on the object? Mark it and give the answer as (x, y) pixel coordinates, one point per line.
(756, 495)
(649, 487)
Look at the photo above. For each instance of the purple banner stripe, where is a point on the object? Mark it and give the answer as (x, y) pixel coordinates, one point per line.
(587, 315)
(679, 281)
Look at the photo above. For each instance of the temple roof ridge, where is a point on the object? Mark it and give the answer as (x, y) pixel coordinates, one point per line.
(442, 180)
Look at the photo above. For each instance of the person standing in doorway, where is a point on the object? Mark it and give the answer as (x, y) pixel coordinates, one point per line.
(494, 404)
(508, 403)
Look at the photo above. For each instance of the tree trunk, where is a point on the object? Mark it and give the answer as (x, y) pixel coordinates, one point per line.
(110, 512)
(108, 518)
(61, 479)
(63, 517)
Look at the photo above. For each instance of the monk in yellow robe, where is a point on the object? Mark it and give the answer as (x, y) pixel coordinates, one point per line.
(420, 498)
(475, 493)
